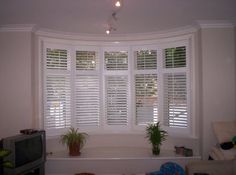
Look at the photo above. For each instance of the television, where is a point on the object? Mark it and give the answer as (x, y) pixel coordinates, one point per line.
(28, 153)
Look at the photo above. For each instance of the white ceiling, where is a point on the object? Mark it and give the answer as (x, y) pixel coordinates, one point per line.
(136, 16)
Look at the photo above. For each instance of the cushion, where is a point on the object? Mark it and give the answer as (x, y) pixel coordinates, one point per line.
(212, 167)
(219, 154)
(171, 168)
(226, 145)
(224, 130)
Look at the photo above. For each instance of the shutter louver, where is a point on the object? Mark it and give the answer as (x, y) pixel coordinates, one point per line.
(146, 59)
(116, 60)
(87, 100)
(146, 98)
(175, 57)
(86, 60)
(58, 102)
(175, 100)
(116, 100)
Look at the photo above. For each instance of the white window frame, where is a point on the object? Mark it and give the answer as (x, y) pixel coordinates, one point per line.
(158, 45)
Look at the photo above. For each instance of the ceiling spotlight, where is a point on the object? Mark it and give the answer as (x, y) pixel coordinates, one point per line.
(107, 32)
(118, 4)
(110, 29)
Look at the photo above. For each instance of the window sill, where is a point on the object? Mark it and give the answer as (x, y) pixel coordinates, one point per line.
(111, 160)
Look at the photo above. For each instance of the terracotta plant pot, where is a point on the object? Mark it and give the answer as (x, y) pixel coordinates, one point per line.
(74, 149)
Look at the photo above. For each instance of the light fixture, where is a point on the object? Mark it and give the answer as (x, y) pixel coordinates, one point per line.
(118, 3)
(111, 23)
(108, 31)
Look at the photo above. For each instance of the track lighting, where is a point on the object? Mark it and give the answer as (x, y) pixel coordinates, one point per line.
(108, 31)
(113, 19)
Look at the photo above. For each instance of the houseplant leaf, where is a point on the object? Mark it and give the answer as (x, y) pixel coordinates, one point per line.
(74, 141)
(156, 136)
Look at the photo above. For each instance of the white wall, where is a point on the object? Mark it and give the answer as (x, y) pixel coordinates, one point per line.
(15, 82)
(216, 77)
(218, 81)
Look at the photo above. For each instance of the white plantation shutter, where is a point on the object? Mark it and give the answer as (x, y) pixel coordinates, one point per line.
(146, 59)
(116, 60)
(175, 100)
(103, 89)
(116, 100)
(116, 87)
(58, 102)
(87, 100)
(57, 99)
(175, 57)
(57, 59)
(146, 98)
(86, 60)
(176, 112)
(146, 105)
(87, 89)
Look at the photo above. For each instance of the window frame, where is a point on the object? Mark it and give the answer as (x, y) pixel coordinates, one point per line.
(159, 45)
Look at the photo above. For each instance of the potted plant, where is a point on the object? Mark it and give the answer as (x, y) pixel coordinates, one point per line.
(5, 163)
(155, 136)
(74, 141)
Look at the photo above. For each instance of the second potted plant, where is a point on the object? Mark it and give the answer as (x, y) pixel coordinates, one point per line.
(74, 141)
(155, 136)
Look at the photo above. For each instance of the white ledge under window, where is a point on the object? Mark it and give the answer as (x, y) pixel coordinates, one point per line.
(113, 160)
(116, 153)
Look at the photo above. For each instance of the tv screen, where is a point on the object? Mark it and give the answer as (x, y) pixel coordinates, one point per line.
(28, 150)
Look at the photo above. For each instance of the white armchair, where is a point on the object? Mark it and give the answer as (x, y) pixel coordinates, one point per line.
(224, 131)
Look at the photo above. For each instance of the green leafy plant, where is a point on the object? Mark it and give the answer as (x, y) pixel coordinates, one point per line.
(156, 136)
(74, 141)
(5, 163)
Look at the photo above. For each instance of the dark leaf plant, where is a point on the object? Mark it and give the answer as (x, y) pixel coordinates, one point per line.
(74, 141)
(5, 163)
(156, 136)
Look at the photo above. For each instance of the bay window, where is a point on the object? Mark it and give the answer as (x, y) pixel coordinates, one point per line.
(101, 89)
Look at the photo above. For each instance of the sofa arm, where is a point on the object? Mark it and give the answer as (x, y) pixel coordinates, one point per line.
(212, 167)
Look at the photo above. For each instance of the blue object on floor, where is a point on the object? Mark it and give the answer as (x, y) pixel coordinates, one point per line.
(171, 168)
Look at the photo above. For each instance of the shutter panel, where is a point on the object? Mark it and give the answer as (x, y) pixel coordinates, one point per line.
(116, 60)
(58, 102)
(146, 98)
(86, 60)
(175, 57)
(57, 90)
(116, 100)
(146, 59)
(146, 87)
(57, 59)
(87, 89)
(87, 100)
(175, 100)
